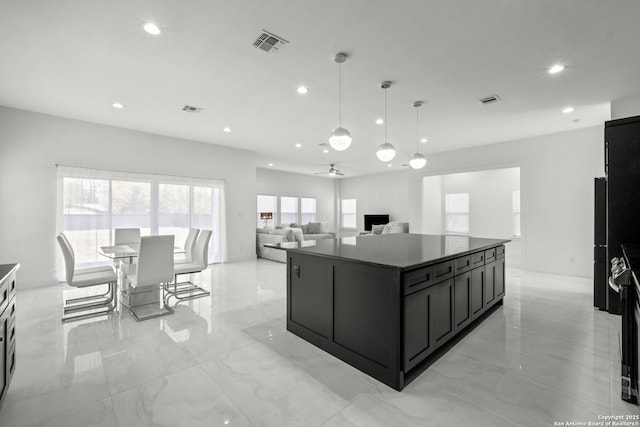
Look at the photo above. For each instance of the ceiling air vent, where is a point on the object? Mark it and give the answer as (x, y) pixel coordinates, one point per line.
(490, 99)
(191, 109)
(269, 42)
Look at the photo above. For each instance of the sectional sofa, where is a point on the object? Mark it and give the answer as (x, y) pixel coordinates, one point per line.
(287, 233)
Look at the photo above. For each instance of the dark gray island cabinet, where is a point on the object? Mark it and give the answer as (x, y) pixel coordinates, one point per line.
(385, 303)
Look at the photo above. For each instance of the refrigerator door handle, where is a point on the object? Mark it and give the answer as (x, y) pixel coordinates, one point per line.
(613, 285)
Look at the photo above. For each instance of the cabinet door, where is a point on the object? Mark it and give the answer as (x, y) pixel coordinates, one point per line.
(461, 297)
(4, 346)
(441, 317)
(310, 302)
(477, 291)
(499, 278)
(417, 337)
(489, 285)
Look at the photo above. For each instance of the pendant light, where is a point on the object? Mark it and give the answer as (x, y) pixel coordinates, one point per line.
(386, 151)
(417, 160)
(340, 138)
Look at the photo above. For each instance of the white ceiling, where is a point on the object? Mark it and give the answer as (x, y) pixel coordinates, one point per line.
(75, 58)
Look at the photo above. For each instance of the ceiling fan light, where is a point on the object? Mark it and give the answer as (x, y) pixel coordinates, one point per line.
(417, 161)
(340, 139)
(386, 152)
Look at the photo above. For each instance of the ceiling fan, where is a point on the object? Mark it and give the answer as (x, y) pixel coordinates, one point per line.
(332, 171)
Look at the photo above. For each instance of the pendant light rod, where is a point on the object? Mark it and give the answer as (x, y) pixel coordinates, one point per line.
(340, 58)
(417, 160)
(417, 105)
(340, 138)
(386, 151)
(385, 85)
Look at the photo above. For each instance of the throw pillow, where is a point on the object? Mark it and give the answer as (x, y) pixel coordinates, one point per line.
(294, 225)
(315, 228)
(305, 228)
(377, 228)
(287, 234)
(297, 234)
(393, 229)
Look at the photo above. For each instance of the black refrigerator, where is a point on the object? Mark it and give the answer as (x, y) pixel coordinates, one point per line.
(600, 261)
(622, 168)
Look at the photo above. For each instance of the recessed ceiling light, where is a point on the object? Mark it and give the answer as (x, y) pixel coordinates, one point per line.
(302, 90)
(271, 164)
(298, 145)
(379, 121)
(117, 105)
(325, 151)
(423, 140)
(227, 130)
(568, 110)
(151, 28)
(556, 69)
(389, 165)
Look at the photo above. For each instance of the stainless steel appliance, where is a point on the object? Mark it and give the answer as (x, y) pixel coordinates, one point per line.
(624, 282)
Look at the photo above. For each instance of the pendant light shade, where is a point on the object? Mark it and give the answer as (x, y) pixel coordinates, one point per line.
(417, 160)
(386, 151)
(340, 138)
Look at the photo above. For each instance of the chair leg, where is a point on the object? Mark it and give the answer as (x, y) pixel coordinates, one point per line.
(93, 309)
(179, 288)
(138, 311)
(89, 298)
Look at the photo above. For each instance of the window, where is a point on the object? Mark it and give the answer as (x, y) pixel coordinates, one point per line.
(348, 209)
(267, 204)
(288, 210)
(95, 202)
(307, 210)
(516, 212)
(457, 213)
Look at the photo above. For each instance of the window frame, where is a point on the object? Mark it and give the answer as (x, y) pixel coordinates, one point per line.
(301, 213)
(448, 214)
(516, 212)
(354, 213)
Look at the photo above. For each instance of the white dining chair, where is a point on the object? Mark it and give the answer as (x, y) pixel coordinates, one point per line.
(155, 270)
(188, 290)
(87, 306)
(189, 246)
(123, 236)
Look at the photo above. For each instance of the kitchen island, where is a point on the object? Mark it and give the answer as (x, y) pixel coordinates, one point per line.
(386, 303)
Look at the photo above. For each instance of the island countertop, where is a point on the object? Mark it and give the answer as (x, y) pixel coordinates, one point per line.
(401, 250)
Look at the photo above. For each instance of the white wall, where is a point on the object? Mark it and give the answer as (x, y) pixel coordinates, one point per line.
(30, 144)
(490, 199)
(278, 183)
(385, 193)
(628, 106)
(556, 180)
(490, 204)
(431, 205)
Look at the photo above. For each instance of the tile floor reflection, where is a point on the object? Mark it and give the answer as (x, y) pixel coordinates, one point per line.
(226, 359)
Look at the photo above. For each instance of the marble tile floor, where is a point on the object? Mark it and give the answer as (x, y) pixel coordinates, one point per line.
(545, 356)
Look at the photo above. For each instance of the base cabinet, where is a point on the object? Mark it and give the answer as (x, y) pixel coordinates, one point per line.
(7, 326)
(477, 291)
(386, 320)
(437, 312)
